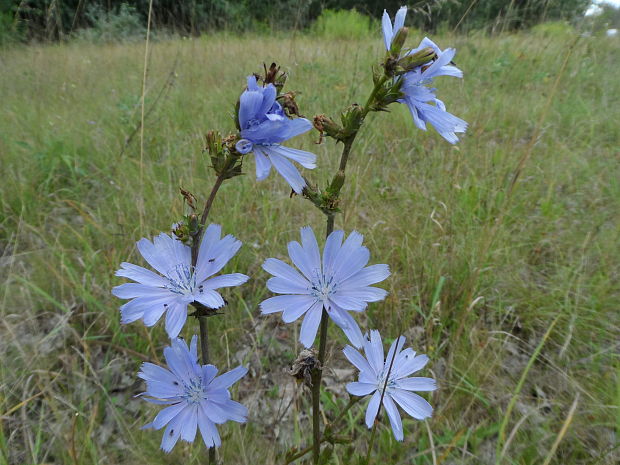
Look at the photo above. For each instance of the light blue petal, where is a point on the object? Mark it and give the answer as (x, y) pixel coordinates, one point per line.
(386, 26)
(208, 373)
(416, 384)
(370, 275)
(153, 256)
(349, 256)
(359, 294)
(180, 362)
(172, 251)
(293, 313)
(287, 170)
(359, 361)
(361, 389)
(311, 247)
(133, 290)
(373, 409)
(217, 257)
(141, 275)
(216, 413)
(348, 325)
(173, 430)
(409, 363)
(149, 305)
(399, 19)
(225, 280)
(250, 103)
(235, 411)
(330, 252)
(284, 286)
(301, 260)
(226, 380)
(412, 403)
(188, 427)
(153, 314)
(394, 416)
(305, 159)
(282, 270)
(263, 165)
(209, 298)
(282, 302)
(208, 430)
(373, 349)
(175, 319)
(310, 325)
(397, 346)
(350, 302)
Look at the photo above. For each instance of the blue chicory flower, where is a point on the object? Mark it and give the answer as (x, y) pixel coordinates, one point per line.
(195, 396)
(375, 370)
(424, 106)
(178, 284)
(338, 285)
(264, 126)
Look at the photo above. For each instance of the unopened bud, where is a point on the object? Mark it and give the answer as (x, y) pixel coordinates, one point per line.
(398, 41)
(419, 58)
(352, 119)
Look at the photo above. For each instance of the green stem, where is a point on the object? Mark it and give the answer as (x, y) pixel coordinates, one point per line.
(328, 430)
(318, 372)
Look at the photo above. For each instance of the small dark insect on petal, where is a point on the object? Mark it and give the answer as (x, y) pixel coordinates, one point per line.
(176, 383)
(171, 432)
(211, 260)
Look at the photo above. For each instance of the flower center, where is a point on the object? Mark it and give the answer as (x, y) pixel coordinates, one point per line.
(195, 392)
(253, 122)
(382, 377)
(323, 286)
(181, 280)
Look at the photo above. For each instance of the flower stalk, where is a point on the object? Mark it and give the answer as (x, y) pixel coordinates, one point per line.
(353, 119)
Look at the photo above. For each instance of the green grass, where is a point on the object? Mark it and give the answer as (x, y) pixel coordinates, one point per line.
(478, 277)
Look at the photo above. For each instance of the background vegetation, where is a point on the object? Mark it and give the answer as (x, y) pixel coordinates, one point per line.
(59, 19)
(512, 288)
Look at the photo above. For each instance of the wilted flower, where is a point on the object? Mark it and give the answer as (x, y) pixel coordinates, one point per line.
(178, 284)
(424, 106)
(263, 127)
(375, 371)
(341, 283)
(195, 396)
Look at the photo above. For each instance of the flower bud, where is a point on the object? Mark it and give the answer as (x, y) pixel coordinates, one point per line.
(412, 61)
(398, 41)
(352, 119)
